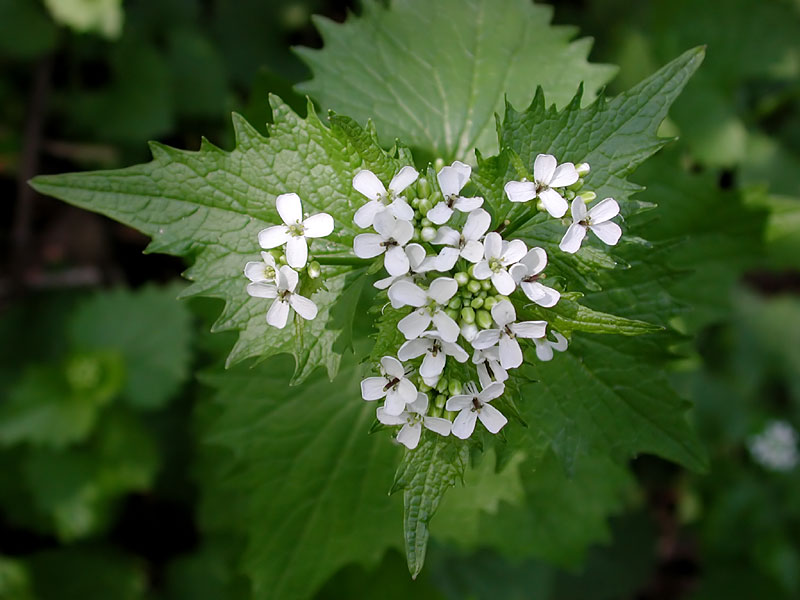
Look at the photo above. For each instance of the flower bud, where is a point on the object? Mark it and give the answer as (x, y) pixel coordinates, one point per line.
(415, 203)
(415, 235)
(470, 271)
(582, 169)
(483, 319)
(438, 164)
(461, 278)
(569, 195)
(588, 196)
(424, 387)
(424, 187)
(314, 269)
(474, 286)
(455, 388)
(489, 302)
(486, 285)
(455, 302)
(476, 302)
(427, 233)
(452, 313)
(576, 186)
(441, 385)
(425, 205)
(440, 400)
(468, 315)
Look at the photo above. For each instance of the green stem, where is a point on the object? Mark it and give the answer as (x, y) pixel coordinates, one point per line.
(518, 222)
(352, 261)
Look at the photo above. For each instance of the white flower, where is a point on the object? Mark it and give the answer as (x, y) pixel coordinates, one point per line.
(776, 447)
(418, 263)
(547, 174)
(451, 181)
(488, 365)
(393, 234)
(430, 306)
(545, 347)
(265, 270)
(436, 351)
(506, 335)
(285, 297)
(413, 420)
(527, 272)
(368, 184)
(466, 244)
(500, 256)
(393, 384)
(294, 231)
(474, 406)
(596, 219)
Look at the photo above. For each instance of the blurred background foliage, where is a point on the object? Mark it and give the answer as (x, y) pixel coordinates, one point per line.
(107, 489)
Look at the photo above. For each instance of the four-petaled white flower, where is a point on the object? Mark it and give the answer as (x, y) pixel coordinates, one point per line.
(547, 174)
(597, 219)
(294, 230)
(507, 333)
(527, 273)
(466, 244)
(393, 234)
(285, 297)
(436, 351)
(392, 384)
(368, 184)
(500, 256)
(545, 347)
(452, 179)
(487, 361)
(413, 420)
(265, 270)
(418, 261)
(430, 306)
(475, 405)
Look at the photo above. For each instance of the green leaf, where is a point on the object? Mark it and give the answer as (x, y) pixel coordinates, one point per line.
(440, 96)
(148, 329)
(211, 204)
(568, 316)
(14, 580)
(424, 475)
(297, 476)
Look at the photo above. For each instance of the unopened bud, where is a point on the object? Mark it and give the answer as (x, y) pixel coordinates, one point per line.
(455, 303)
(489, 302)
(588, 196)
(455, 387)
(483, 319)
(439, 401)
(569, 195)
(576, 186)
(582, 169)
(476, 302)
(474, 286)
(468, 315)
(452, 313)
(423, 187)
(441, 385)
(427, 233)
(470, 270)
(461, 278)
(314, 269)
(486, 285)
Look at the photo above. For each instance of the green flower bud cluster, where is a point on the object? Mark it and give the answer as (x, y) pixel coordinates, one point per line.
(473, 303)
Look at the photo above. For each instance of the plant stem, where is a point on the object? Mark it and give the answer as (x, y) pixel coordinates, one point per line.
(352, 261)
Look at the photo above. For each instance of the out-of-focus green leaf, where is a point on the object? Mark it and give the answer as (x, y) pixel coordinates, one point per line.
(26, 31)
(15, 581)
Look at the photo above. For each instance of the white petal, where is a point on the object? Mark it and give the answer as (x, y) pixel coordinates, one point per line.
(472, 251)
(278, 313)
(520, 191)
(409, 435)
(395, 404)
(503, 313)
(365, 216)
(405, 293)
(287, 278)
(384, 283)
(535, 260)
(432, 365)
(438, 425)
(608, 232)
(514, 252)
(446, 326)
(603, 211)
(297, 252)
(318, 225)
(416, 254)
(404, 178)
(272, 237)
(447, 235)
(413, 349)
(564, 175)
(467, 205)
(492, 245)
(544, 351)
(459, 402)
(543, 168)
(403, 232)
(492, 418)
(289, 208)
(368, 245)
(447, 258)
(262, 289)
(372, 388)
(388, 419)
(469, 331)
(396, 262)
(303, 306)
(503, 282)
(464, 423)
(571, 242)
(483, 375)
(478, 223)
(482, 270)
(486, 339)
(254, 271)
(529, 329)
(442, 289)
(419, 403)
(392, 367)
(510, 352)
(578, 209)
(553, 203)
(401, 209)
(456, 351)
(549, 297)
(408, 392)
(561, 342)
(414, 324)
(517, 272)
(367, 183)
(439, 214)
(269, 260)
(500, 374)
(384, 224)
(453, 178)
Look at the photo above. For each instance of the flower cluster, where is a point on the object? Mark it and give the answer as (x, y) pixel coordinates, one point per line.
(775, 448)
(455, 280)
